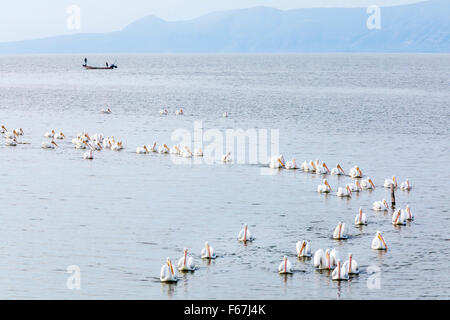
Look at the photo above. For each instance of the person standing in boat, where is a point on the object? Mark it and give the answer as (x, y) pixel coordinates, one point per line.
(85, 61)
(107, 65)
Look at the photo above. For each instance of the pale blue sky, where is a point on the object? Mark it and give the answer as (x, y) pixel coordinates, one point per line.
(29, 19)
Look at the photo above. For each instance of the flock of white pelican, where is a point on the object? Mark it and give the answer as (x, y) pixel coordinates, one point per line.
(180, 112)
(98, 142)
(165, 112)
(83, 140)
(187, 264)
(327, 259)
(178, 149)
(11, 136)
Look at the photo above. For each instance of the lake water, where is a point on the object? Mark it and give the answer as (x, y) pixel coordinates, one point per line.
(119, 216)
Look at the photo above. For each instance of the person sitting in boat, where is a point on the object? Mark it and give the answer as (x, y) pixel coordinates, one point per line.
(107, 65)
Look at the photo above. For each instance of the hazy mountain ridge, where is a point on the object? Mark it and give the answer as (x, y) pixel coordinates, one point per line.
(420, 27)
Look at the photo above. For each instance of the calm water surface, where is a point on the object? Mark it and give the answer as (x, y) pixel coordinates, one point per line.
(119, 216)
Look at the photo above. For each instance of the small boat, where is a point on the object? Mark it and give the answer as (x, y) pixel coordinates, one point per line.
(111, 67)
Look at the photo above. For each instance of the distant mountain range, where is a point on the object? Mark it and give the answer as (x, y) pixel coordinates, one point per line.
(419, 27)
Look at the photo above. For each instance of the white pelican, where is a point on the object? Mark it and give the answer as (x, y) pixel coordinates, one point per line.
(175, 149)
(79, 135)
(11, 142)
(227, 157)
(107, 143)
(198, 152)
(338, 170)
(303, 249)
(355, 172)
(367, 184)
(344, 192)
(152, 148)
(163, 112)
(168, 273)
(18, 132)
(106, 111)
(163, 149)
(351, 266)
(60, 136)
(340, 232)
(245, 235)
(285, 266)
(186, 152)
(179, 112)
(117, 146)
(325, 260)
(3, 129)
(86, 137)
(380, 205)
(389, 182)
(291, 164)
(208, 252)
(378, 242)
(50, 134)
(313, 165)
(186, 262)
(10, 135)
(339, 273)
(49, 145)
(277, 162)
(405, 185)
(360, 218)
(80, 144)
(322, 168)
(307, 166)
(399, 218)
(97, 138)
(95, 145)
(88, 155)
(355, 187)
(325, 187)
(142, 150)
(408, 214)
